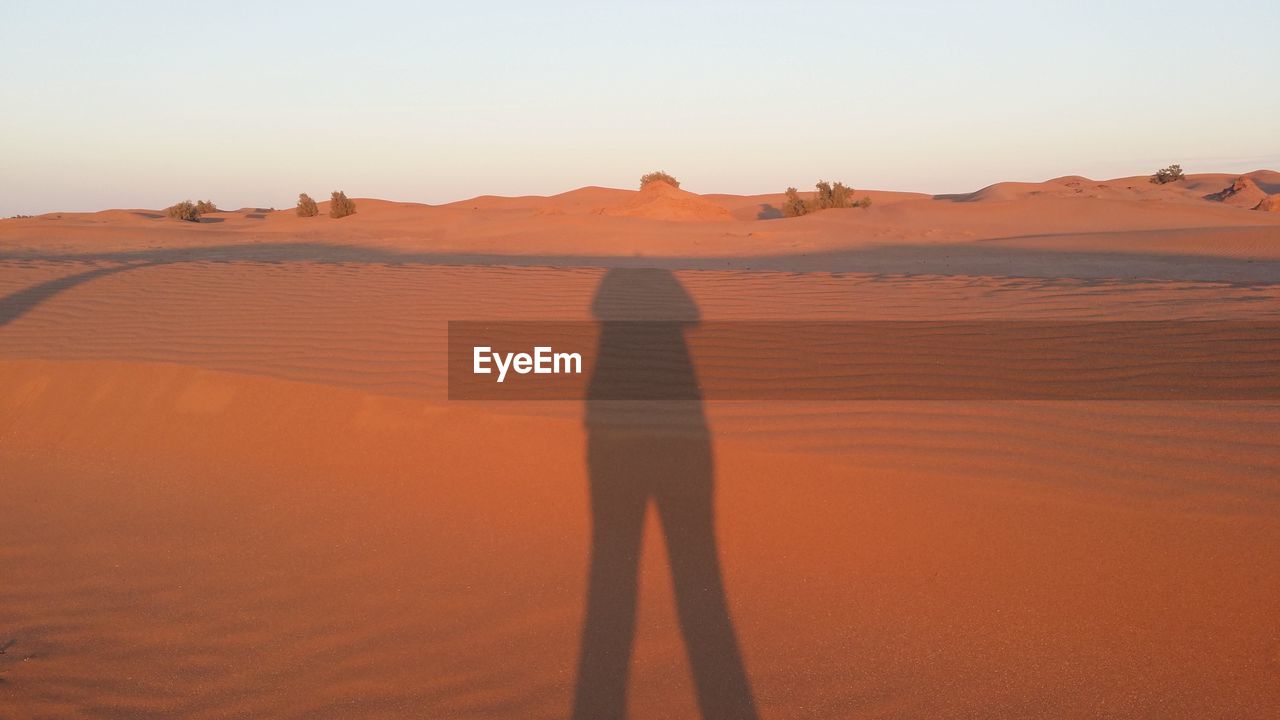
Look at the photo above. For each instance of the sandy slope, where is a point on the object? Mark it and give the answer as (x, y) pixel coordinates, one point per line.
(233, 487)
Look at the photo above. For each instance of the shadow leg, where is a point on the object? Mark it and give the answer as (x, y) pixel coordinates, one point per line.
(685, 504)
(618, 503)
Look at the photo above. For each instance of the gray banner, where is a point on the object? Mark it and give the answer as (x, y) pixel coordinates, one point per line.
(873, 360)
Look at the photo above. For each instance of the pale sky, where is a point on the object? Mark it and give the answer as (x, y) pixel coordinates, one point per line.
(142, 104)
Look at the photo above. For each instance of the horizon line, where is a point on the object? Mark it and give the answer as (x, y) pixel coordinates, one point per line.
(207, 196)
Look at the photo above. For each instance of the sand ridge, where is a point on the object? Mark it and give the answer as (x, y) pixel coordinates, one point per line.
(660, 201)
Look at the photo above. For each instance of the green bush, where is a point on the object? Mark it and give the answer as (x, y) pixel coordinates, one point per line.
(306, 206)
(340, 205)
(185, 210)
(205, 206)
(1173, 173)
(658, 176)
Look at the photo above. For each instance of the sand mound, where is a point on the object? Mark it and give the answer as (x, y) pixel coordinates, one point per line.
(660, 201)
(1268, 181)
(996, 193)
(1066, 186)
(1271, 203)
(1243, 192)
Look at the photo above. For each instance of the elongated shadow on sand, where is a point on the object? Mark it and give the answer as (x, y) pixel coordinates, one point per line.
(982, 258)
(17, 304)
(648, 442)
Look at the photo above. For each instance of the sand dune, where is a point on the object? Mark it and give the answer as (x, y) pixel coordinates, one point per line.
(1194, 187)
(608, 222)
(660, 201)
(1242, 192)
(234, 486)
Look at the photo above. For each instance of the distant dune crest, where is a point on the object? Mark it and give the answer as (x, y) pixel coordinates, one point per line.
(577, 220)
(660, 201)
(1244, 191)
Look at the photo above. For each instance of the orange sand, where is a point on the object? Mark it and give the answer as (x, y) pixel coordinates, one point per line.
(233, 486)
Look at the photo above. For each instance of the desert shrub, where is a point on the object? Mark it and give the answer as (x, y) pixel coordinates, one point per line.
(185, 210)
(794, 206)
(306, 206)
(340, 205)
(205, 206)
(831, 195)
(828, 195)
(658, 176)
(1170, 174)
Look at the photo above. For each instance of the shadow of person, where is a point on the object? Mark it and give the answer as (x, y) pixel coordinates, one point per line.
(647, 440)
